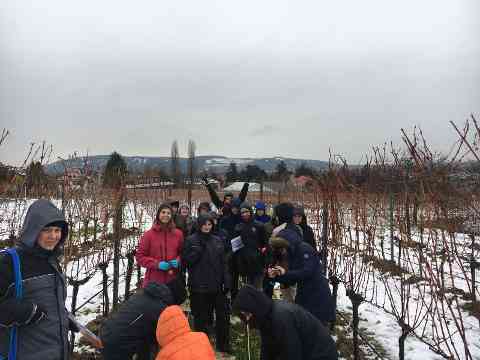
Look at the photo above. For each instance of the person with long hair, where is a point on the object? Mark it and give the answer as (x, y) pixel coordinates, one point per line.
(160, 247)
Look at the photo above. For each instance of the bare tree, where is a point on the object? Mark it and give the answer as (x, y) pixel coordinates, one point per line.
(175, 164)
(191, 170)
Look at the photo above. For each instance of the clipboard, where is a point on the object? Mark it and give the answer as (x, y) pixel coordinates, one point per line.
(237, 243)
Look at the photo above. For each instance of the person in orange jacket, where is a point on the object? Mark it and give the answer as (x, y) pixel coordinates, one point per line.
(177, 341)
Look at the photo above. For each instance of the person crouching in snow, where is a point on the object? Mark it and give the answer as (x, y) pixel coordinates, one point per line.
(131, 329)
(208, 280)
(287, 330)
(177, 341)
(159, 248)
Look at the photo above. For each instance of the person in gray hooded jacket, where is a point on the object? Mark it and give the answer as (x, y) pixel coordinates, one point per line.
(40, 316)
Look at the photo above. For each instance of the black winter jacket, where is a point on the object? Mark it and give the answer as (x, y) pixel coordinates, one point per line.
(294, 333)
(204, 256)
(308, 234)
(43, 287)
(135, 322)
(250, 260)
(228, 224)
(287, 330)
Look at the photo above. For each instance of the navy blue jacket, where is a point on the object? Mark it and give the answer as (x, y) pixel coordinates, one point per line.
(304, 268)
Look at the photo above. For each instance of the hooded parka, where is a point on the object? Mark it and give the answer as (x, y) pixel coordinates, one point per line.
(43, 287)
(287, 330)
(177, 341)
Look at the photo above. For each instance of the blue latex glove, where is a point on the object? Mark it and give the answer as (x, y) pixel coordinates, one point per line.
(163, 265)
(174, 263)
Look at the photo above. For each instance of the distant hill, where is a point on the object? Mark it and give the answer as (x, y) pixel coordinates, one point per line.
(218, 164)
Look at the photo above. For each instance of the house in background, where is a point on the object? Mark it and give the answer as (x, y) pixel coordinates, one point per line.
(253, 187)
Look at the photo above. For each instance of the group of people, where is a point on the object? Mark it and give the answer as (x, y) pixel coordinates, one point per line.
(238, 241)
(209, 256)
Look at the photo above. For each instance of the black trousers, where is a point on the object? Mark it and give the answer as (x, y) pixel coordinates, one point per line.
(235, 277)
(268, 286)
(203, 305)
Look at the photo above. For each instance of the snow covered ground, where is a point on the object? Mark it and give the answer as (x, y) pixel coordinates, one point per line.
(375, 312)
(382, 292)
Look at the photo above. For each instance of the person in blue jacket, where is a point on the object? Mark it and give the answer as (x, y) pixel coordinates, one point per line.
(260, 214)
(304, 269)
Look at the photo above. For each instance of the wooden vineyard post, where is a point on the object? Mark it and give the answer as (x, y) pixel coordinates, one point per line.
(392, 248)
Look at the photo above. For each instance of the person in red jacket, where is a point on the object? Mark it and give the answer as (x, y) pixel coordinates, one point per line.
(177, 341)
(160, 247)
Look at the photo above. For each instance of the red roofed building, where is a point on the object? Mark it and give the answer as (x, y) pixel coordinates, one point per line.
(302, 181)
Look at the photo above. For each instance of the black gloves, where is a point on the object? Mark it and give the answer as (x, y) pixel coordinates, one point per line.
(15, 312)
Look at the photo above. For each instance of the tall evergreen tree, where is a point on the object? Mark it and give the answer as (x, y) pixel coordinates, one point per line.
(253, 172)
(115, 172)
(191, 170)
(281, 171)
(304, 170)
(175, 164)
(232, 173)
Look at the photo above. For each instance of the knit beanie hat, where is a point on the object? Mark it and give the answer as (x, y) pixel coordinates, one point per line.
(202, 220)
(204, 205)
(245, 206)
(260, 205)
(253, 301)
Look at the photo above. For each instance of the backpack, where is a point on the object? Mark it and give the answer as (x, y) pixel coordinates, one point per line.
(12, 350)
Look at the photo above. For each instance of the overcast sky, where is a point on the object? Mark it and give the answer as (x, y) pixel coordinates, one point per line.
(240, 78)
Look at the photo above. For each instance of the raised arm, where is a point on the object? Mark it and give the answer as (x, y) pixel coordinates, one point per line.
(213, 194)
(243, 192)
